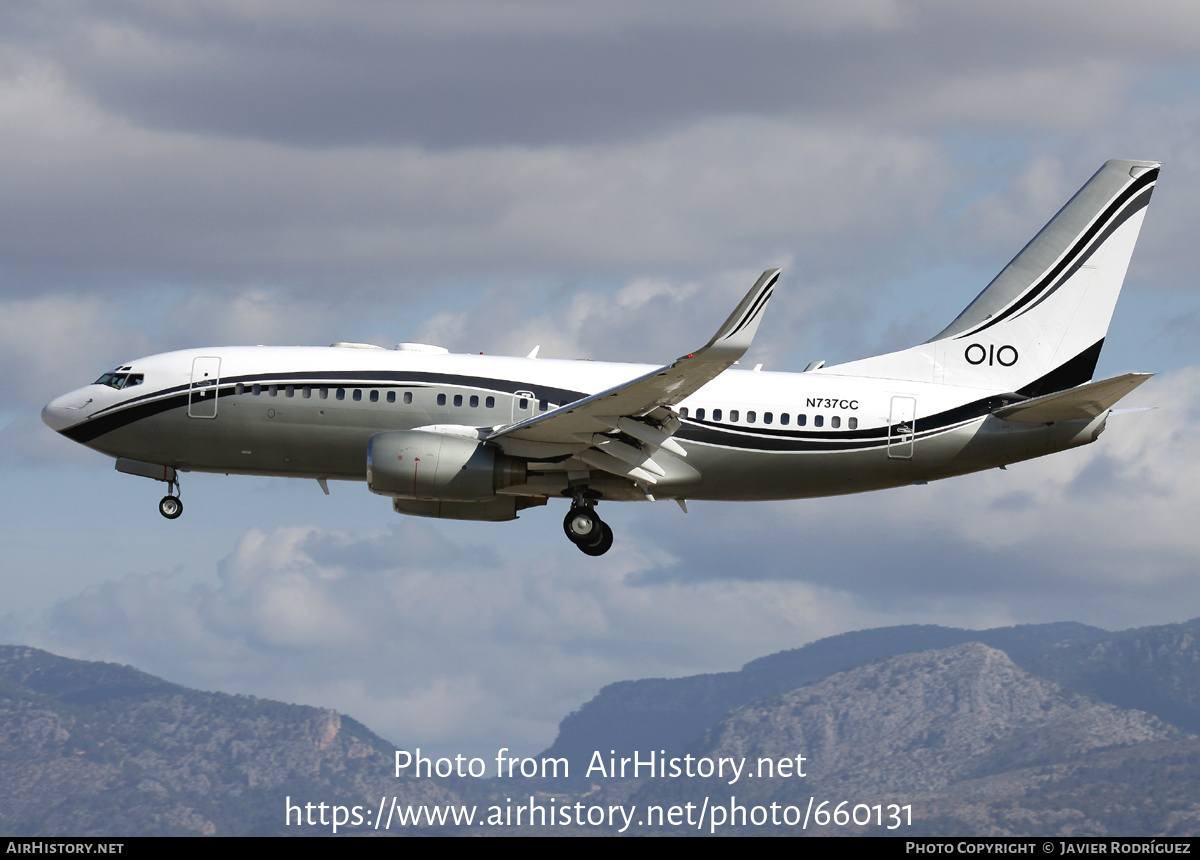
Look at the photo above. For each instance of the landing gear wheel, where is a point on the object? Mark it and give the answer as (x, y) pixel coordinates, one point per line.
(587, 531)
(602, 545)
(582, 525)
(170, 507)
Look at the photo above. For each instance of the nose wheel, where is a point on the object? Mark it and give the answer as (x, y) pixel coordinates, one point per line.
(587, 531)
(170, 505)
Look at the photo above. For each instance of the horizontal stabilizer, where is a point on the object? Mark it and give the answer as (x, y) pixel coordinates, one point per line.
(1086, 401)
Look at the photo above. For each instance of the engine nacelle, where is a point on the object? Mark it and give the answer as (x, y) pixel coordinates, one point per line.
(425, 465)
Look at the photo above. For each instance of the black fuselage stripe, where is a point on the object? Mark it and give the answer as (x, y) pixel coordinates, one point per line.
(726, 435)
(753, 438)
(123, 414)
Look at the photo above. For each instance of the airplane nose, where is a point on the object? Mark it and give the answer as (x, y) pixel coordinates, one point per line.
(66, 411)
(53, 417)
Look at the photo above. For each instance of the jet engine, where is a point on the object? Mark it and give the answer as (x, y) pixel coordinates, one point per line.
(427, 465)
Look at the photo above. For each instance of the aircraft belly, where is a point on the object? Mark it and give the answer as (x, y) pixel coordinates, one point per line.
(742, 475)
(762, 476)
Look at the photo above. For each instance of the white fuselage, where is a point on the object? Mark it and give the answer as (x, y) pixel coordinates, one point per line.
(310, 411)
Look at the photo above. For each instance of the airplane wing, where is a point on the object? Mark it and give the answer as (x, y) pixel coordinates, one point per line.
(575, 423)
(1086, 401)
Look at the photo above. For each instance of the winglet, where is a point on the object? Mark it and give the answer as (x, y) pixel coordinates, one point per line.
(664, 386)
(734, 337)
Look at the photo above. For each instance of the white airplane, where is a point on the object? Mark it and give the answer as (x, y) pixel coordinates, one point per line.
(481, 438)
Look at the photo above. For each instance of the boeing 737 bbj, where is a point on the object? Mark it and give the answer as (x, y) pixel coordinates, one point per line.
(480, 438)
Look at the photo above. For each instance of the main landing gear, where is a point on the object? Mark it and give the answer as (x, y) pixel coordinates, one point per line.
(585, 529)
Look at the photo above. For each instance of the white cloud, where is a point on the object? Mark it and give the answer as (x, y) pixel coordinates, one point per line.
(418, 635)
(95, 202)
(1081, 95)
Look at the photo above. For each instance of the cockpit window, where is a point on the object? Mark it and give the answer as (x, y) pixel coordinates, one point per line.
(120, 380)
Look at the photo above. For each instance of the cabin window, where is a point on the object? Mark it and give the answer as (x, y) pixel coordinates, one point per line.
(818, 420)
(835, 422)
(683, 412)
(256, 389)
(784, 418)
(474, 401)
(408, 397)
(734, 415)
(852, 423)
(543, 405)
(307, 391)
(374, 395)
(239, 389)
(341, 394)
(441, 401)
(358, 394)
(768, 418)
(291, 391)
(716, 415)
(324, 392)
(751, 417)
(490, 402)
(700, 414)
(274, 390)
(801, 420)
(391, 398)
(458, 400)
(523, 404)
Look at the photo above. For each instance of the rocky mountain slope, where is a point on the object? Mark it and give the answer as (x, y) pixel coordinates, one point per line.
(96, 748)
(974, 740)
(1039, 730)
(1153, 669)
(920, 722)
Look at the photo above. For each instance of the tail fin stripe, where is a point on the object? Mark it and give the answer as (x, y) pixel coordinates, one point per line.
(1070, 374)
(1139, 203)
(1112, 217)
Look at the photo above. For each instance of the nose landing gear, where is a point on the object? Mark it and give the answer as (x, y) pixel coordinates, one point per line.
(585, 529)
(170, 505)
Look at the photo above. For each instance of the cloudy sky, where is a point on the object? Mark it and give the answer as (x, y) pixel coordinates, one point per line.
(603, 179)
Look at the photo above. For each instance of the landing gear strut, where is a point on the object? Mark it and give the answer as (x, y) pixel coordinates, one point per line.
(585, 529)
(170, 505)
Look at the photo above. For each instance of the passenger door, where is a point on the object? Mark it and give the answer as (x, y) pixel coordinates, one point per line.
(202, 395)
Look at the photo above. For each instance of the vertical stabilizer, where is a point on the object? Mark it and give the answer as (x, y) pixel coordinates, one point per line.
(1039, 325)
